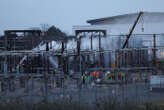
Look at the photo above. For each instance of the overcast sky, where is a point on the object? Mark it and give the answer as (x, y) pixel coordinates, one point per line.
(23, 14)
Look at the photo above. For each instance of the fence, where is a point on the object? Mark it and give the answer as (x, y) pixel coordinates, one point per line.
(37, 74)
(135, 93)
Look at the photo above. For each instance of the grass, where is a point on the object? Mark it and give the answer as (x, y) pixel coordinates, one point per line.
(18, 104)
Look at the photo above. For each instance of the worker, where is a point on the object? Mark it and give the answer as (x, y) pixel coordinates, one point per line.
(55, 71)
(83, 78)
(88, 79)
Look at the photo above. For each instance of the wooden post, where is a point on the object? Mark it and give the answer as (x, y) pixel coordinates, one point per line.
(47, 46)
(6, 40)
(78, 45)
(154, 53)
(83, 63)
(100, 49)
(91, 41)
(48, 64)
(62, 49)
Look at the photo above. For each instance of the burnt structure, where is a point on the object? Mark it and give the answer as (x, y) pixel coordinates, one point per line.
(20, 39)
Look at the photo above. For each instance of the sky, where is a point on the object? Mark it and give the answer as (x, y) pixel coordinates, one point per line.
(25, 14)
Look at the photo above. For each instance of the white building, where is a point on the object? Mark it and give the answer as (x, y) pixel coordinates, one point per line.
(117, 27)
(152, 22)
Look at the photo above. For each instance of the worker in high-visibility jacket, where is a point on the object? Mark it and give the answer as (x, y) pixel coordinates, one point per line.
(88, 79)
(83, 78)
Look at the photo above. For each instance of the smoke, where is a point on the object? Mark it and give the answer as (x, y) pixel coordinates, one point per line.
(53, 61)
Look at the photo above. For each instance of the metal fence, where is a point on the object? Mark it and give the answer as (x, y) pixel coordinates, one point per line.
(36, 77)
(136, 92)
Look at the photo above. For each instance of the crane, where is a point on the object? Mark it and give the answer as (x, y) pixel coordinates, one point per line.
(127, 38)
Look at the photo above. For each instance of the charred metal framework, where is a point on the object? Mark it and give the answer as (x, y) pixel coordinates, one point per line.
(128, 56)
(24, 41)
(28, 63)
(132, 57)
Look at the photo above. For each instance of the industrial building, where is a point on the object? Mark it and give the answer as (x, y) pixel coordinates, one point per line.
(113, 50)
(143, 37)
(149, 23)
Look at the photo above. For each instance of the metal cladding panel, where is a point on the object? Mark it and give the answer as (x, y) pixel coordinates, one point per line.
(157, 81)
(123, 29)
